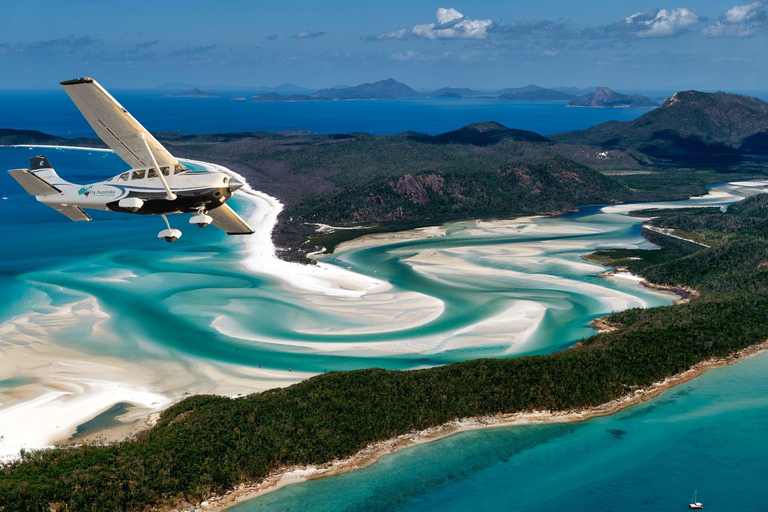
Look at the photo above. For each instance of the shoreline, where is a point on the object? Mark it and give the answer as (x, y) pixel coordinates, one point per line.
(684, 293)
(285, 476)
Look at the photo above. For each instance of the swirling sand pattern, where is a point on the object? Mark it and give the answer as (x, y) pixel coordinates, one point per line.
(103, 313)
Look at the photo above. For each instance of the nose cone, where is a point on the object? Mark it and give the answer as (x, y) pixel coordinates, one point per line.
(235, 185)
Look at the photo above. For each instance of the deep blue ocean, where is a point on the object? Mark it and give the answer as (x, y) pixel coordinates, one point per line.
(53, 112)
(707, 434)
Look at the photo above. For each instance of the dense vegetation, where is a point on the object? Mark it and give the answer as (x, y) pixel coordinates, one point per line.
(689, 124)
(396, 181)
(208, 444)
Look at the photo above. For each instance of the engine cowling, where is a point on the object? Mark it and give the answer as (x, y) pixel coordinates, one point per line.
(200, 220)
(132, 204)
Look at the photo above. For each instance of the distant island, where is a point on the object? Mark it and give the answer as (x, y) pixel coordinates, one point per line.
(385, 89)
(605, 97)
(193, 93)
(463, 92)
(534, 93)
(597, 97)
(593, 97)
(274, 97)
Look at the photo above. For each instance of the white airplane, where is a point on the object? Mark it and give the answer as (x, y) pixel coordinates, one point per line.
(156, 184)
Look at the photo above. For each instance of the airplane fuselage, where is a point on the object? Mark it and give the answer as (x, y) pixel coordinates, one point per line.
(157, 184)
(194, 190)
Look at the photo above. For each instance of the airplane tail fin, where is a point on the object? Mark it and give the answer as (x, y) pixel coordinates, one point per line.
(42, 180)
(42, 168)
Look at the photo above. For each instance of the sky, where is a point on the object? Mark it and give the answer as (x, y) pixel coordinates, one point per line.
(483, 44)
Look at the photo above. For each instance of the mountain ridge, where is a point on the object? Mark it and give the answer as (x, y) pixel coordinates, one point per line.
(687, 123)
(605, 97)
(383, 89)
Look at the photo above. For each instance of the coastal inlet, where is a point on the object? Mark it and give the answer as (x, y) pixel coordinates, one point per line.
(102, 314)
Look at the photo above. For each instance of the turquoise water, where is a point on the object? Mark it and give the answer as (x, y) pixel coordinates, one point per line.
(174, 294)
(524, 282)
(707, 434)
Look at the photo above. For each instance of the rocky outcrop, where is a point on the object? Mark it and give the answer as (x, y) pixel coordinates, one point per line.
(416, 188)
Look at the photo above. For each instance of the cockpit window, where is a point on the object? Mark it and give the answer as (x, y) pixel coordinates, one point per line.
(179, 169)
(165, 170)
(137, 175)
(124, 176)
(152, 173)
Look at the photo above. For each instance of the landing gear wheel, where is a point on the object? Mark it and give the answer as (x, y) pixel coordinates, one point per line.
(169, 235)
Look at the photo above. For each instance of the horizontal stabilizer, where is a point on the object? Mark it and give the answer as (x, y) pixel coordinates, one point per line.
(71, 211)
(32, 183)
(227, 220)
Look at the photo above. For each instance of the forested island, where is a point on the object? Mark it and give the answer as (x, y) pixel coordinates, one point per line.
(206, 445)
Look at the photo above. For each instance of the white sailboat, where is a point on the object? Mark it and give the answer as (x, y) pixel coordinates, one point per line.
(694, 503)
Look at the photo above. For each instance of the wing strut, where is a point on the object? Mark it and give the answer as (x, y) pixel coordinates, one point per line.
(169, 195)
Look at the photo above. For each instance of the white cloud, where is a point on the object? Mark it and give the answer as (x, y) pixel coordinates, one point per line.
(395, 34)
(742, 13)
(741, 20)
(447, 15)
(655, 23)
(451, 24)
(306, 34)
(667, 23)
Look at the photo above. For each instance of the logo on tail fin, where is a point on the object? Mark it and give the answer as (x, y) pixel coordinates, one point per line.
(39, 162)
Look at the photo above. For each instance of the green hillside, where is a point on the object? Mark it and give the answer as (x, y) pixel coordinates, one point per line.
(688, 124)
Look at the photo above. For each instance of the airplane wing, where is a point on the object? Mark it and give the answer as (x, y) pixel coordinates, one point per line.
(69, 210)
(227, 220)
(114, 125)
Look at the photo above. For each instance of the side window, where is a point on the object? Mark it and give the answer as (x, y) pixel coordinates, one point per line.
(124, 176)
(179, 169)
(152, 173)
(137, 175)
(165, 170)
